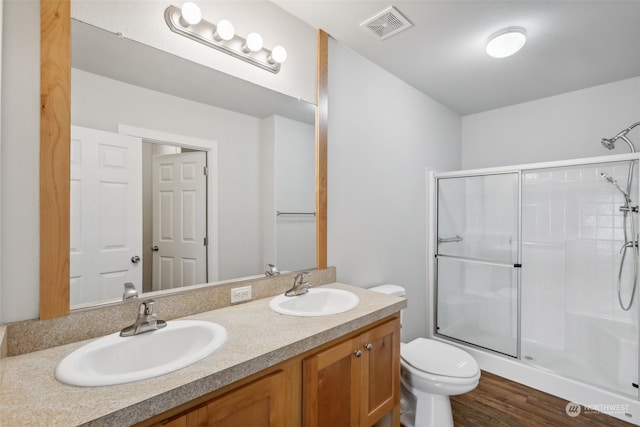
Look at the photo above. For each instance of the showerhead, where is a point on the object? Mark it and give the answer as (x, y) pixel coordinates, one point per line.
(614, 182)
(608, 143)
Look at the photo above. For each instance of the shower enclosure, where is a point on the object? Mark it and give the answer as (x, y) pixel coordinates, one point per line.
(539, 263)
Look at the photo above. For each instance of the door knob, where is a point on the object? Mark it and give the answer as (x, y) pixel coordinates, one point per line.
(368, 346)
(135, 259)
(358, 353)
(155, 248)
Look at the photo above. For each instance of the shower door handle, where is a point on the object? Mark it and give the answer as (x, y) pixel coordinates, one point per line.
(455, 239)
(479, 261)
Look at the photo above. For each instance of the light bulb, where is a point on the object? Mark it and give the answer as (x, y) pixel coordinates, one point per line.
(190, 14)
(224, 30)
(253, 43)
(278, 54)
(506, 42)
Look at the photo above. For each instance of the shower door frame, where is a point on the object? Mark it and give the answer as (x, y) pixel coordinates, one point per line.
(432, 237)
(517, 265)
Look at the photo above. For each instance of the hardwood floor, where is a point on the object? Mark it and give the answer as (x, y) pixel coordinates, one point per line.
(500, 402)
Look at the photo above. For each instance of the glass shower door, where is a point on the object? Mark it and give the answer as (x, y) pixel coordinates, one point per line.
(477, 259)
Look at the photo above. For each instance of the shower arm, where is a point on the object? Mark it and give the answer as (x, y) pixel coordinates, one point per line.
(609, 143)
(626, 131)
(625, 139)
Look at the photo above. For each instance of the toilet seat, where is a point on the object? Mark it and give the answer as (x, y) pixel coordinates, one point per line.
(436, 358)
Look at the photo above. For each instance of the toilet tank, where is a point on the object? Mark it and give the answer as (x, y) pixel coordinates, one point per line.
(390, 290)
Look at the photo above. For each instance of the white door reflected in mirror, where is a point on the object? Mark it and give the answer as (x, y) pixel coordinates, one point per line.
(127, 196)
(179, 220)
(106, 210)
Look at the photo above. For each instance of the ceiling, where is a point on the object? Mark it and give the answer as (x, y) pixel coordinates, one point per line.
(571, 45)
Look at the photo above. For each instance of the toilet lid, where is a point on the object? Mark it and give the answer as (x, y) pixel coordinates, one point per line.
(439, 358)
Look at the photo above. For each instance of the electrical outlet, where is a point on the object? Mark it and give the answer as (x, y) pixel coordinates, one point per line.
(240, 294)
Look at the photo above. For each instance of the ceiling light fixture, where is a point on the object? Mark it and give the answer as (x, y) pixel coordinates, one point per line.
(506, 42)
(187, 21)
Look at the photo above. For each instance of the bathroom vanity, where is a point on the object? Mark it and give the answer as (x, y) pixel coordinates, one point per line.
(350, 381)
(274, 370)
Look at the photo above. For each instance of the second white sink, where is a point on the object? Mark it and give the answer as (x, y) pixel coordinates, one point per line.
(116, 360)
(317, 302)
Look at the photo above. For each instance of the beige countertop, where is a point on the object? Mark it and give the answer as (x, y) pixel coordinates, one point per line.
(258, 338)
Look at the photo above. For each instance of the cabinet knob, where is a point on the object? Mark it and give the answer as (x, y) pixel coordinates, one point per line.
(368, 346)
(358, 353)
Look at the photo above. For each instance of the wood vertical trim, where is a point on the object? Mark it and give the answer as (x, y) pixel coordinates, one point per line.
(321, 148)
(55, 128)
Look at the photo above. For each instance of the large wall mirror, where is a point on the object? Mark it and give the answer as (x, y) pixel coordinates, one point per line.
(254, 160)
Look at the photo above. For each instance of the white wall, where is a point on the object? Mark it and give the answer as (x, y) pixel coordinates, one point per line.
(267, 189)
(295, 182)
(20, 160)
(560, 127)
(287, 183)
(143, 21)
(383, 135)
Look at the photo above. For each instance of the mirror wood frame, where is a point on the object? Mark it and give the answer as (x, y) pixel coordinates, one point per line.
(55, 129)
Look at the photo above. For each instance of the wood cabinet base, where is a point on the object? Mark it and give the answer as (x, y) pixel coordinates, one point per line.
(353, 381)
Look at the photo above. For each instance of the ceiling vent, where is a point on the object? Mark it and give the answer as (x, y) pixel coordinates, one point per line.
(387, 23)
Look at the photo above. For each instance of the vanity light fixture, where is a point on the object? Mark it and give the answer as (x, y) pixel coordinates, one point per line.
(506, 42)
(187, 21)
(190, 14)
(224, 31)
(253, 43)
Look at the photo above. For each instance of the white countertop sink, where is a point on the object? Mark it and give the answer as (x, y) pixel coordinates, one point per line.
(317, 302)
(117, 360)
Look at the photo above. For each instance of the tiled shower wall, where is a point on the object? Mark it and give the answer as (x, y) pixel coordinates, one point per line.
(572, 231)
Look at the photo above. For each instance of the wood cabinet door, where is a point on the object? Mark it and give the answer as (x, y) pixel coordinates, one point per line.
(179, 421)
(380, 371)
(332, 387)
(258, 404)
(197, 417)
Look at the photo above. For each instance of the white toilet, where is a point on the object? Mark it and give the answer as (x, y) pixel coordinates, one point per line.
(431, 371)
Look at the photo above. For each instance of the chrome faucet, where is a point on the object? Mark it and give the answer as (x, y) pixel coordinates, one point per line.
(129, 291)
(299, 286)
(272, 271)
(147, 321)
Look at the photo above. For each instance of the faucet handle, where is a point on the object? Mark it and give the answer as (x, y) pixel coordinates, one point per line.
(130, 291)
(300, 282)
(300, 276)
(147, 307)
(272, 271)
